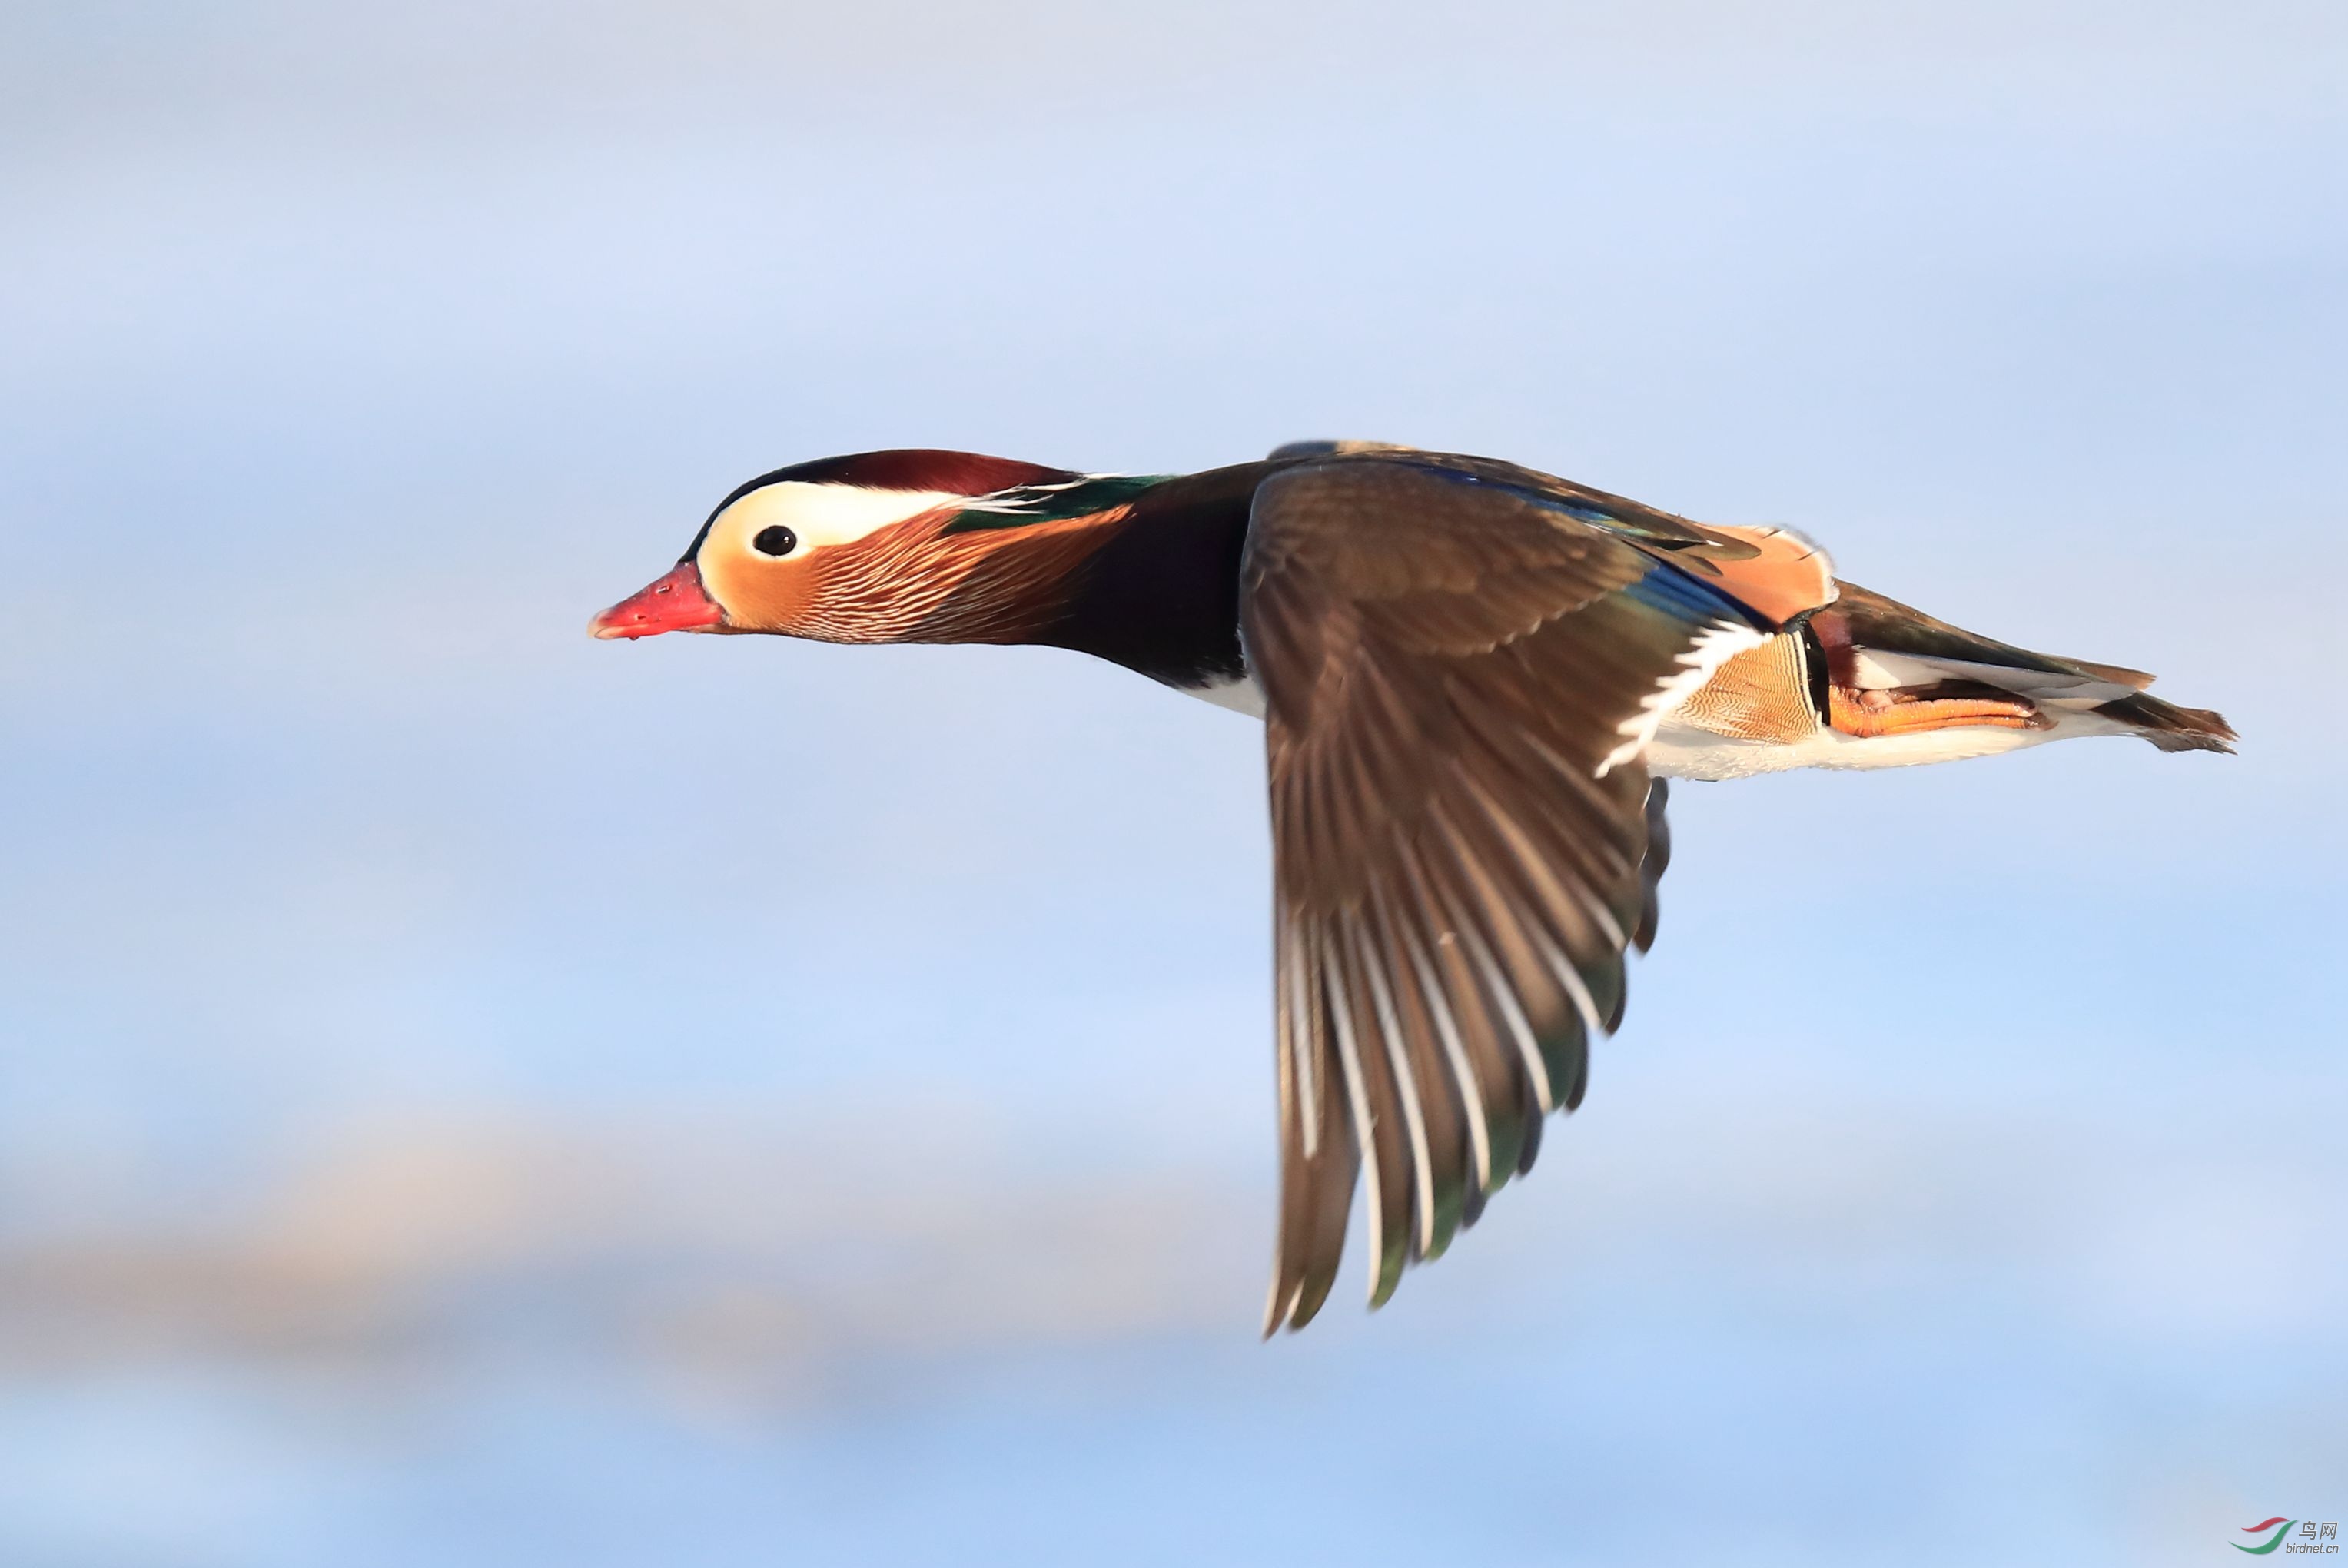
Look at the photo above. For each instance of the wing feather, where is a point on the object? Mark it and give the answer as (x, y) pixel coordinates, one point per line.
(1386, 1175)
(1453, 654)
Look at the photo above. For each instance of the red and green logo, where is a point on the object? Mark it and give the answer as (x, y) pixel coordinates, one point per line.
(2279, 1525)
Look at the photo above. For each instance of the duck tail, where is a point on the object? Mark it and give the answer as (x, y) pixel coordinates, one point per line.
(1872, 641)
(2170, 727)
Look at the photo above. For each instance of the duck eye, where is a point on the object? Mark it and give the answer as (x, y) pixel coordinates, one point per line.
(776, 540)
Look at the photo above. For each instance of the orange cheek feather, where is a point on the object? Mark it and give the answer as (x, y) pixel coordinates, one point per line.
(913, 582)
(765, 596)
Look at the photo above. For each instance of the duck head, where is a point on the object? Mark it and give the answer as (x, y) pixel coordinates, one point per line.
(878, 547)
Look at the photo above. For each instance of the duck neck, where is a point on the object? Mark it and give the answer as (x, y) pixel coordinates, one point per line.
(1161, 594)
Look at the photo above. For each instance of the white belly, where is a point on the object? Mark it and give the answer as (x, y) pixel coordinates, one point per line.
(1241, 696)
(1684, 751)
(1681, 750)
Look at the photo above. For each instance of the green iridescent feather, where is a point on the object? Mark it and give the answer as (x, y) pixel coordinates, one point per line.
(1019, 508)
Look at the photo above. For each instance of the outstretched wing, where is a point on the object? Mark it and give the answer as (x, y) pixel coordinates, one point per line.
(1461, 664)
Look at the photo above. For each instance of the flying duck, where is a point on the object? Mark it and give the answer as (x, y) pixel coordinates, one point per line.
(1474, 678)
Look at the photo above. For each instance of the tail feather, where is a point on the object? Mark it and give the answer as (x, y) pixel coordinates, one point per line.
(2118, 675)
(1881, 641)
(2171, 728)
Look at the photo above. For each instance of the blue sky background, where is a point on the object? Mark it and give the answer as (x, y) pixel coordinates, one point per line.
(472, 1095)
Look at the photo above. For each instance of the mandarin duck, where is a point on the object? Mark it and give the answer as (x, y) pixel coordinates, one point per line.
(1475, 679)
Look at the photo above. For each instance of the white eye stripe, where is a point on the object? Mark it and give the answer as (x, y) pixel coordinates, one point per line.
(821, 514)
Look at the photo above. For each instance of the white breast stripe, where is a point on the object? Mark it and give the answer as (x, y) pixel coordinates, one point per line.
(1720, 642)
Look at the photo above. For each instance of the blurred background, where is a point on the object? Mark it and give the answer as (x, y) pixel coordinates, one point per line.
(469, 1095)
